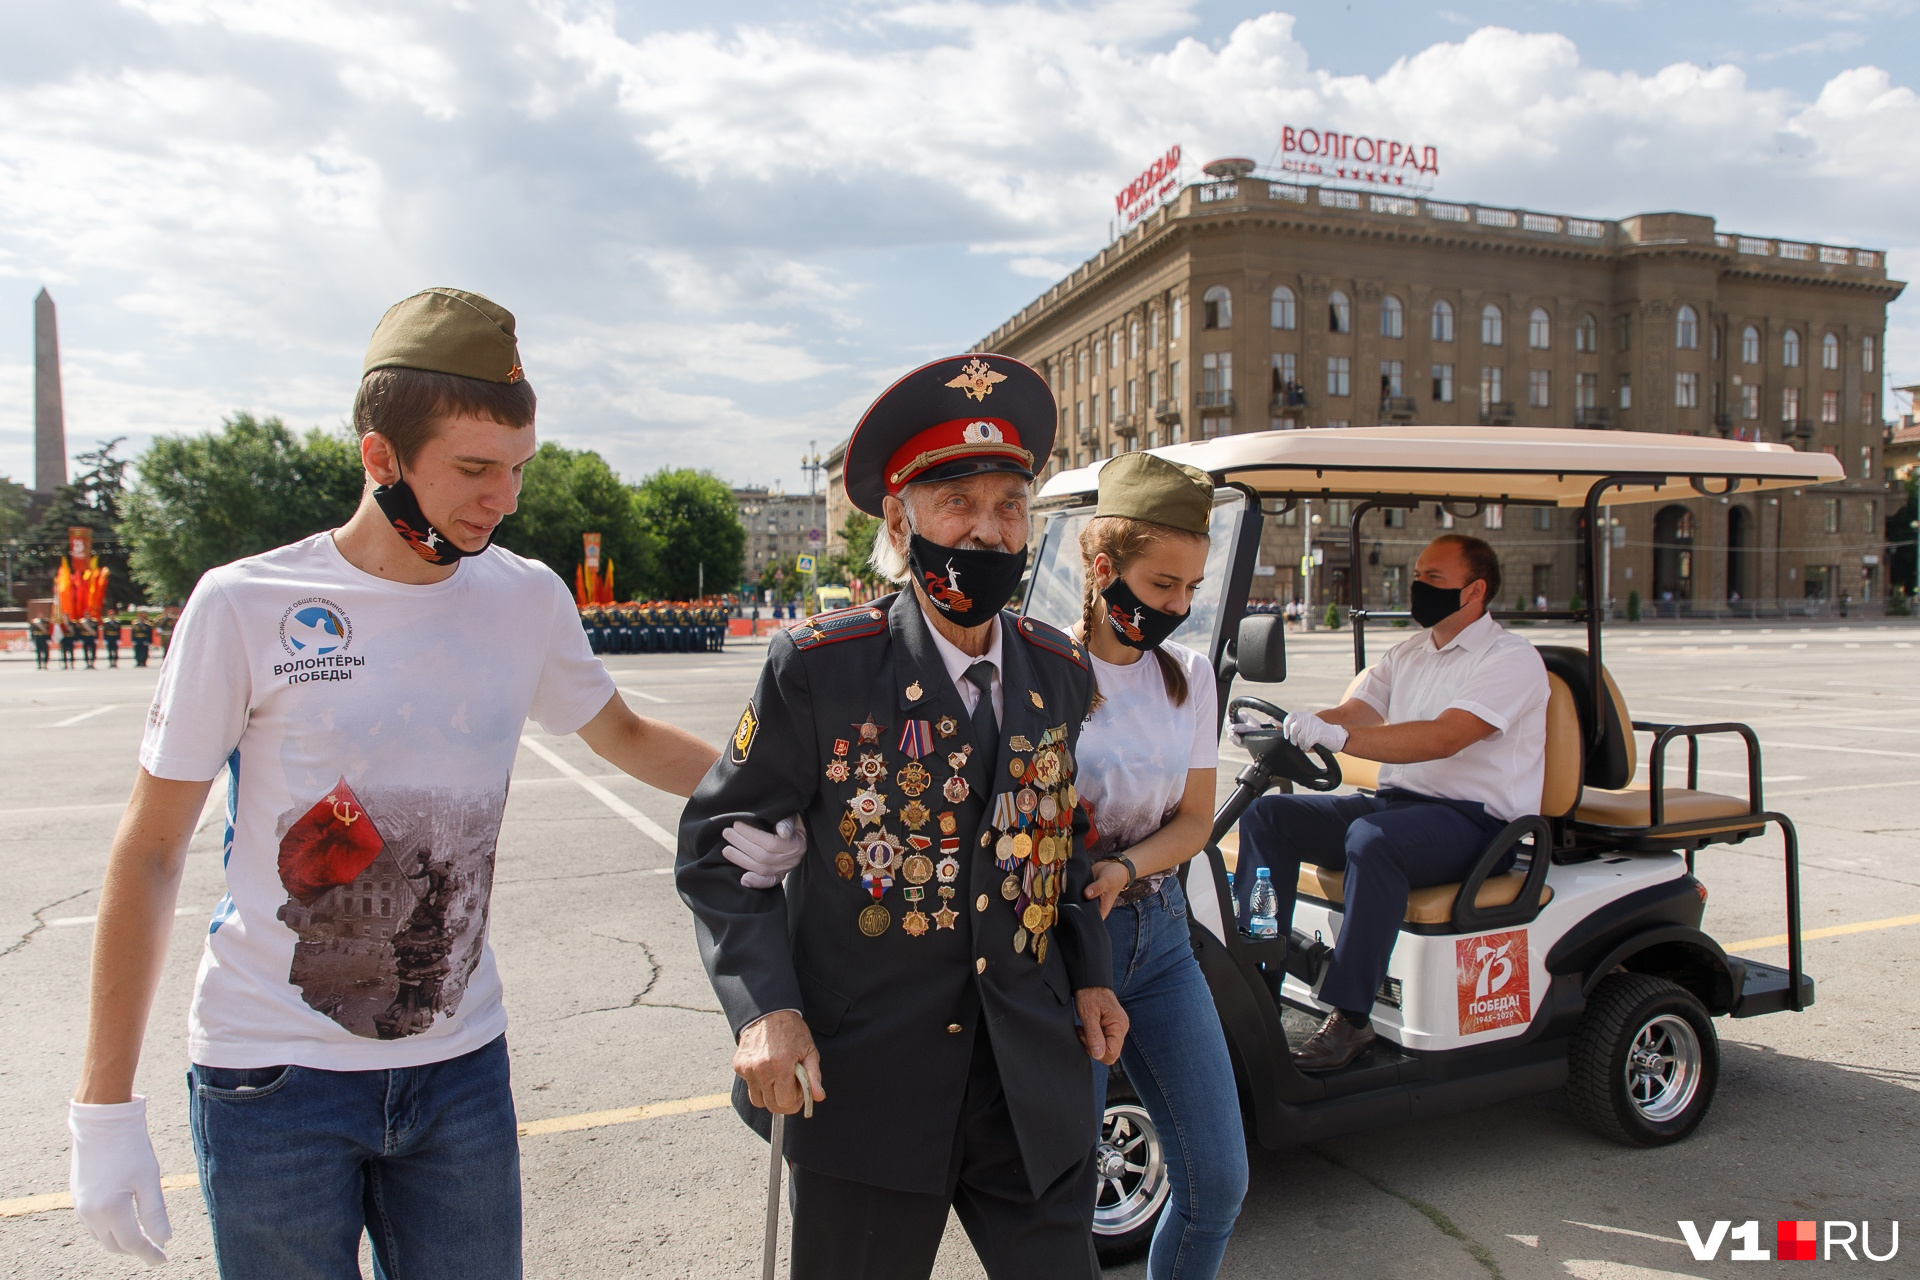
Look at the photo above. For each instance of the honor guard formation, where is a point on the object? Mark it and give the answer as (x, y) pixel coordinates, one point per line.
(657, 626)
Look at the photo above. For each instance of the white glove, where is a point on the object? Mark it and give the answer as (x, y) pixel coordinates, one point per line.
(1245, 721)
(1306, 731)
(115, 1179)
(765, 856)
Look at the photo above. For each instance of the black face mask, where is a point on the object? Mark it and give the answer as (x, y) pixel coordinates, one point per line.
(1431, 605)
(967, 587)
(1134, 624)
(403, 512)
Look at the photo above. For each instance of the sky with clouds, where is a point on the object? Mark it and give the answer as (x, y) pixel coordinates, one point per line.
(723, 234)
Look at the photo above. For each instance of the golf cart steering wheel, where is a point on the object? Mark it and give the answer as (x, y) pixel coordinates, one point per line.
(1279, 756)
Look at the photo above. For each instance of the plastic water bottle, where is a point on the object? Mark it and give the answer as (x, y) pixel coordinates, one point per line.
(1233, 898)
(1264, 910)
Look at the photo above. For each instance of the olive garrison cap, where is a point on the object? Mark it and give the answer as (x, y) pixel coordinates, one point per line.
(954, 417)
(447, 331)
(1142, 486)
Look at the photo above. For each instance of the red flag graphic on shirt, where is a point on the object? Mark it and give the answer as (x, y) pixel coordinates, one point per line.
(331, 844)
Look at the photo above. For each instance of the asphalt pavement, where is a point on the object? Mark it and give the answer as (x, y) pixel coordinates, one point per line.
(633, 1167)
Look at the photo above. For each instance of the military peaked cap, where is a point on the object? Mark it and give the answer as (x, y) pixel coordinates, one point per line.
(954, 417)
(447, 331)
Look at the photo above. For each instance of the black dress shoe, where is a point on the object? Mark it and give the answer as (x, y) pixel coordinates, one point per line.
(1334, 1045)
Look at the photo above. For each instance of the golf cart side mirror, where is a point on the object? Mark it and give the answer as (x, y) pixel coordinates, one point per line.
(1262, 648)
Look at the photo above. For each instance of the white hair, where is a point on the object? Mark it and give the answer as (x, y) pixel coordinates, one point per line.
(889, 561)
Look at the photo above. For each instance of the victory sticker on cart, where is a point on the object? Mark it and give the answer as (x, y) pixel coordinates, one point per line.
(1494, 985)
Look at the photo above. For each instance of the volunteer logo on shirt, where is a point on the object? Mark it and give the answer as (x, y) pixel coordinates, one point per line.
(316, 633)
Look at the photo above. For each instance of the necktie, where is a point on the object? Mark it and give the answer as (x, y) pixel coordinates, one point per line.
(986, 729)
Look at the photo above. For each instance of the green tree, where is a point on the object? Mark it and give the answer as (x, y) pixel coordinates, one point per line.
(93, 499)
(13, 507)
(694, 516)
(1900, 533)
(567, 492)
(204, 500)
(784, 579)
(857, 533)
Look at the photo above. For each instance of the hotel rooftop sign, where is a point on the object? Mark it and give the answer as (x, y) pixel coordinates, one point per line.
(1156, 183)
(1344, 157)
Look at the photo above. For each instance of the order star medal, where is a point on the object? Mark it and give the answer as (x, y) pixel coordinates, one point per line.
(869, 806)
(956, 790)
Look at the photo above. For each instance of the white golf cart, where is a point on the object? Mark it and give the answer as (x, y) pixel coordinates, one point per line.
(1584, 967)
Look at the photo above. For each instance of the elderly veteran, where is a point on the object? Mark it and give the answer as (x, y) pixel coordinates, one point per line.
(927, 958)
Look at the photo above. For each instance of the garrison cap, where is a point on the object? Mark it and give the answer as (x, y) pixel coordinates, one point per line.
(955, 417)
(1143, 486)
(447, 331)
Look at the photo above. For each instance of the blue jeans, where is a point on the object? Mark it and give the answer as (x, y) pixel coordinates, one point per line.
(1387, 844)
(1176, 1058)
(295, 1162)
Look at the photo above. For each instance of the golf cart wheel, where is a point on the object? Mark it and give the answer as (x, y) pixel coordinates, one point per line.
(1644, 1061)
(1130, 1165)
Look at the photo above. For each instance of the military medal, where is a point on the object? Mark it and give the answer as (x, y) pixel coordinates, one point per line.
(1023, 846)
(1017, 768)
(838, 771)
(868, 806)
(916, 739)
(1040, 949)
(849, 826)
(1010, 888)
(948, 868)
(1037, 702)
(947, 824)
(879, 856)
(869, 731)
(913, 778)
(873, 766)
(840, 746)
(915, 815)
(1046, 768)
(944, 917)
(913, 693)
(874, 919)
(1020, 743)
(1027, 800)
(956, 790)
(1049, 807)
(844, 864)
(914, 923)
(946, 726)
(1019, 940)
(1003, 854)
(917, 869)
(957, 760)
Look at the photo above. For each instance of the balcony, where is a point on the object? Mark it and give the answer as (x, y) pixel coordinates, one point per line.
(1125, 425)
(1498, 413)
(1289, 400)
(1723, 423)
(1797, 428)
(1396, 409)
(1595, 417)
(1089, 435)
(1213, 400)
(1167, 411)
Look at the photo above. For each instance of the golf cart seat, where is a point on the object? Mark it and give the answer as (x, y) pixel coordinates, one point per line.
(1612, 806)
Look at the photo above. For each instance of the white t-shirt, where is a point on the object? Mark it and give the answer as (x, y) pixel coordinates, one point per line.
(368, 728)
(1485, 670)
(1137, 747)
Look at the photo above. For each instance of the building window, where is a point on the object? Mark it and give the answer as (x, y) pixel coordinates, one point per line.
(1113, 404)
(1339, 376)
(1539, 383)
(1113, 345)
(1829, 352)
(1626, 332)
(1133, 395)
(1543, 519)
(1686, 391)
(1443, 321)
(1286, 378)
(1133, 339)
(1866, 354)
(1339, 422)
(1443, 383)
(1113, 448)
(1080, 415)
(1177, 316)
(1490, 388)
(1153, 330)
(1750, 345)
(1339, 313)
(1715, 331)
(1492, 326)
(1539, 330)
(1586, 334)
(1866, 407)
(1094, 419)
(1790, 404)
(1216, 307)
(1395, 517)
(1393, 318)
(1586, 390)
(1626, 391)
(1686, 330)
(1284, 314)
(1153, 439)
(1833, 515)
(1829, 406)
(1750, 402)
(1216, 377)
(1496, 516)
(1868, 525)
(1443, 517)
(1173, 381)
(1390, 380)
(1153, 387)
(1790, 349)
(1099, 355)
(1083, 377)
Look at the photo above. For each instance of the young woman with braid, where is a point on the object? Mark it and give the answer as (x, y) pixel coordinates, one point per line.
(1147, 759)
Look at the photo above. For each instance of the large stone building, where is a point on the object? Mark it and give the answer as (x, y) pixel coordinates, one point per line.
(779, 526)
(1248, 305)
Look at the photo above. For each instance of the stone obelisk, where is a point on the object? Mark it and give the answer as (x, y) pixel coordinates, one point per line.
(49, 413)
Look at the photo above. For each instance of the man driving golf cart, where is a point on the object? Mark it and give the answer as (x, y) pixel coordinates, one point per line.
(1456, 716)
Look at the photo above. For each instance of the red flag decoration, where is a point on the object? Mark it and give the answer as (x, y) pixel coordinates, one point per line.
(331, 844)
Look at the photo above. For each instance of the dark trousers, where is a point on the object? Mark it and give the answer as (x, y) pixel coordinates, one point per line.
(139, 654)
(1388, 844)
(40, 645)
(845, 1230)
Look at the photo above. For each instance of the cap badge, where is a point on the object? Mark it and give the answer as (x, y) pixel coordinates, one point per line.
(977, 379)
(981, 432)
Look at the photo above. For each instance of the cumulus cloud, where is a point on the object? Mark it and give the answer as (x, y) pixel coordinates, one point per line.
(721, 238)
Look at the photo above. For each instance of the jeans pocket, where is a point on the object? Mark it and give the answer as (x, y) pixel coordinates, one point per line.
(239, 1084)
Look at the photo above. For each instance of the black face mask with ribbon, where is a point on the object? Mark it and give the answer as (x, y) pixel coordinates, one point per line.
(1136, 624)
(1431, 605)
(968, 587)
(402, 511)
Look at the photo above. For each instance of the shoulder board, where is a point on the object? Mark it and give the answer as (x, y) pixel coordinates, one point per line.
(838, 625)
(1055, 641)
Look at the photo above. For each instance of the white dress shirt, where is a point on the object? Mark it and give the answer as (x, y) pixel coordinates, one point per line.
(1495, 675)
(958, 662)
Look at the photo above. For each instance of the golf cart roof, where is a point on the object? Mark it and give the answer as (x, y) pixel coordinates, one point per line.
(1540, 466)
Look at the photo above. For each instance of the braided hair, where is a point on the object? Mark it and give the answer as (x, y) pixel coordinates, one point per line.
(1125, 540)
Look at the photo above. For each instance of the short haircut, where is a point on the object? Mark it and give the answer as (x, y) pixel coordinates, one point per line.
(405, 404)
(1482, 564)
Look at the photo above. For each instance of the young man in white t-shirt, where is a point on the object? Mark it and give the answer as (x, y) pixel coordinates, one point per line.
(364, 691)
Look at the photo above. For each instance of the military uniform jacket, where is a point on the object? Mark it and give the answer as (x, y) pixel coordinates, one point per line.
(857, 725)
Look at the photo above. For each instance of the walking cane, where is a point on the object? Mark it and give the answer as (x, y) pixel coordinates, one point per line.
(773, 1172)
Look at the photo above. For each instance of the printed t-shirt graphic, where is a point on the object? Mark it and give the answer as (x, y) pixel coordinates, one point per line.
(370, 729)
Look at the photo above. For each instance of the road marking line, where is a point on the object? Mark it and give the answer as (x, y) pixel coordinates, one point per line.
(67, 922)
(84, 715)
(24, 1205)
(641, 822)
(1830, 931)
(1852, 786)
(61, 808)
(641, 693)
(1622, 1231)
